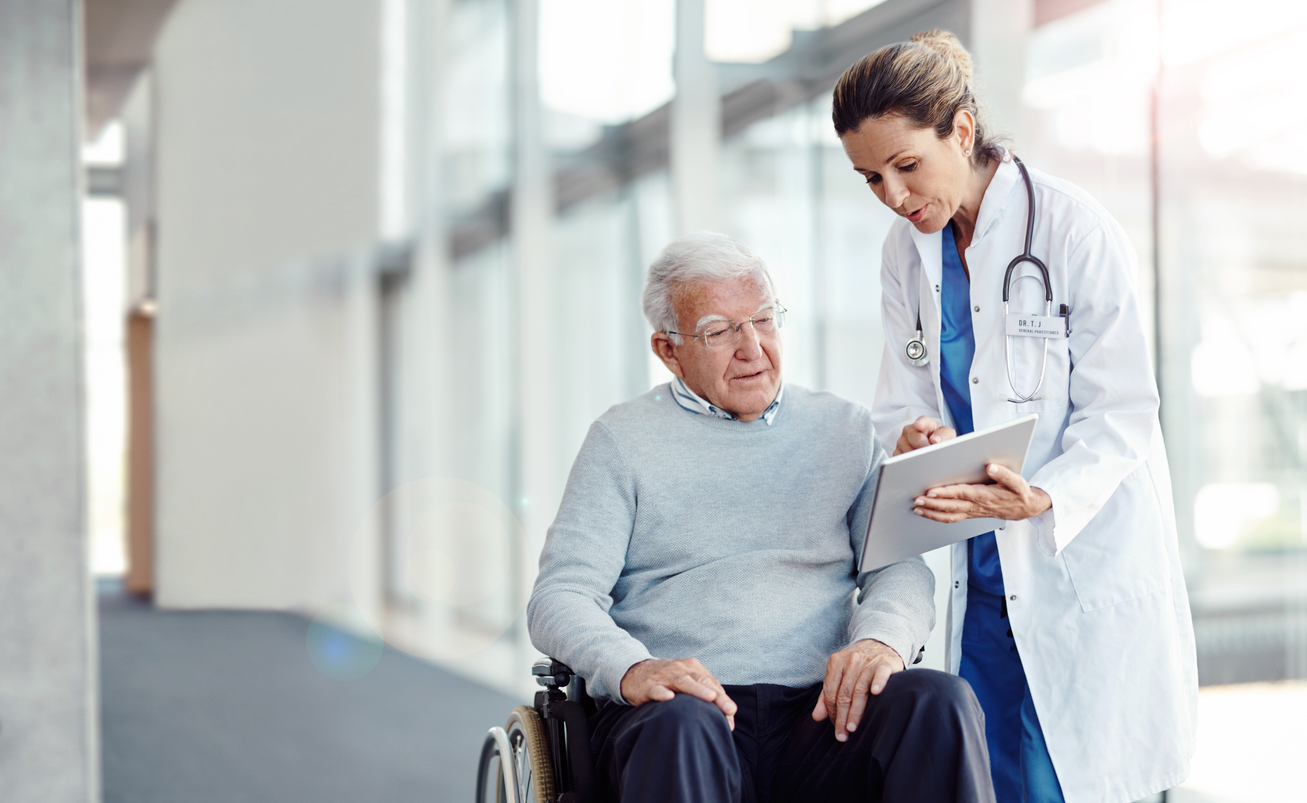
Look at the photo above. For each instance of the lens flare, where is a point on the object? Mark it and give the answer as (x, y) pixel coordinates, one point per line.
(341, 644)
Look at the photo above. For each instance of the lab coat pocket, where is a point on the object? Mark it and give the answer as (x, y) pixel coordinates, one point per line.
(1028, 365)
(1120, 554)
(1044, 403)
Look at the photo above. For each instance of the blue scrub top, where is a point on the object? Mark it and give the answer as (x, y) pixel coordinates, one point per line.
(957, 348)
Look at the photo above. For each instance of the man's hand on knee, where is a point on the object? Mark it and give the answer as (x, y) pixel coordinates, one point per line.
(659, 680)
(862, 667)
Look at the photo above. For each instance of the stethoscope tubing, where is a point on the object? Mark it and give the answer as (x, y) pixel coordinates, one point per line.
(1026, 256)
(915, 349)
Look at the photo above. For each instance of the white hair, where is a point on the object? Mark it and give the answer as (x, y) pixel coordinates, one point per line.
(704, 256)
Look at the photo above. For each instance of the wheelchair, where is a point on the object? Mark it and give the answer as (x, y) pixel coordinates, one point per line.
(542, 754)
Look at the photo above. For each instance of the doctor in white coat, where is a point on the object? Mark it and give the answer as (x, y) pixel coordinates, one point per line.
(1071, 621)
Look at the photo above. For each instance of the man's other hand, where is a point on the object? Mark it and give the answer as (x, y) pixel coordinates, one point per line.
(863, 666)
(660, 680)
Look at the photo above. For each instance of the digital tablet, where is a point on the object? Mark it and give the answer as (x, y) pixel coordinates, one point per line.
(895, 532)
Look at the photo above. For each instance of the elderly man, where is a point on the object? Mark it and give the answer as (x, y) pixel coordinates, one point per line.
(701, 577)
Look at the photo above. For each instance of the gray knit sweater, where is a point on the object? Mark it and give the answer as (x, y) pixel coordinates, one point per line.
(689, 536)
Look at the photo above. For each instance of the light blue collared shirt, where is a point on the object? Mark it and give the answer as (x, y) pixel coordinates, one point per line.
(691, 401)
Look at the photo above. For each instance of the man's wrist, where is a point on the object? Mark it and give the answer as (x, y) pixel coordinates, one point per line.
(873, 643)
(621, 687)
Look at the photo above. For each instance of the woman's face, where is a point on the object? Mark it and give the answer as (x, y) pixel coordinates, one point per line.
(918, 175)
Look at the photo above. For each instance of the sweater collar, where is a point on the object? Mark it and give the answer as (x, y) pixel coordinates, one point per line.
(696, 404)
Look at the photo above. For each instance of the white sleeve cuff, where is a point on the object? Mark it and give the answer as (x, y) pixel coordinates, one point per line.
(1045, 525)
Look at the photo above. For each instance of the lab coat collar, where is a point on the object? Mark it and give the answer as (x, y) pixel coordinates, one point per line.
(998, 196)
(931, 249)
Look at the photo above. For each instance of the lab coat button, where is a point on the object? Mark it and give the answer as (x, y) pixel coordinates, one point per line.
(976, 308)
(956, 584)
(1013, 598)
(975, 380)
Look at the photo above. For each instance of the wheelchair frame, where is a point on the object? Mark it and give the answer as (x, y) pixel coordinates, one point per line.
(564, 708)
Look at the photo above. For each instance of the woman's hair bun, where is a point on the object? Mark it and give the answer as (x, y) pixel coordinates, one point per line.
(926, 81)
(947, 45)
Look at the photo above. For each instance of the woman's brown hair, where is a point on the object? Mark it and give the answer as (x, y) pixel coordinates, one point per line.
(927, 81)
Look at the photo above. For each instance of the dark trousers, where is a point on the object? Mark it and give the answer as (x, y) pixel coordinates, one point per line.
(921, 739)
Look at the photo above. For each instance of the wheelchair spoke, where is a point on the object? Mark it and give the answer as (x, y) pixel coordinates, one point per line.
(522, 758)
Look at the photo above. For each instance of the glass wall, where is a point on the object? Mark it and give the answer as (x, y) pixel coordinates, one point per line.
(769, 202)
(602, 63)
(477, 119)
(478, 157)
(1233, 195)
(1183, 125)
(598, 329)
(483, 362)
(1230, 188)
(789, 193)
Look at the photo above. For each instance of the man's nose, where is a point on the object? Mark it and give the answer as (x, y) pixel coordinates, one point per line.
(749, 347)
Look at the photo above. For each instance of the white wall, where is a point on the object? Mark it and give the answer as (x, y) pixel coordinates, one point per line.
(49, 706)
(266, 185)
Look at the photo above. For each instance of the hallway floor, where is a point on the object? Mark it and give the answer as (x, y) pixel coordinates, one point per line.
(209, 706)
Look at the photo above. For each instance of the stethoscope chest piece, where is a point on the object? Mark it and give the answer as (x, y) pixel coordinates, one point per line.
(915, 350)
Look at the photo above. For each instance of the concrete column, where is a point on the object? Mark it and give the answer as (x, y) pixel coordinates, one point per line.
(531, 217)
(696, 125)
(49, 712)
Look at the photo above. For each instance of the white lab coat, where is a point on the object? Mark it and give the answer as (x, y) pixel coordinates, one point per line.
(1096, 595)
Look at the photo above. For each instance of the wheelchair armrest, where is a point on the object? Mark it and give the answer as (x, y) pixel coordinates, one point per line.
(551, 673)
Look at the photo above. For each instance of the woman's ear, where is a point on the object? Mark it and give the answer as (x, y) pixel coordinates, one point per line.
(964, 130)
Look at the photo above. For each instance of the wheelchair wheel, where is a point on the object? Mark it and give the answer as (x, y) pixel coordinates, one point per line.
(490, 771)
(515, 762)
(530, 744)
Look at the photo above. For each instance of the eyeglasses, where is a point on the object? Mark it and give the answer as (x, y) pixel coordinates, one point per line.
(727, 333)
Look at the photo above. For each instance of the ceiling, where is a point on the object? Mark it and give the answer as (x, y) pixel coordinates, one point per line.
(119, 39)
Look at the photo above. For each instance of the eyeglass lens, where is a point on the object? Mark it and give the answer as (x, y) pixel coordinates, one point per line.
(727, 333)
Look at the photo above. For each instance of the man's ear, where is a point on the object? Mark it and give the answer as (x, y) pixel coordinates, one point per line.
(665, 350)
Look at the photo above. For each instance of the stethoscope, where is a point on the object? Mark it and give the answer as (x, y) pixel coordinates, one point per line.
(915, 349)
